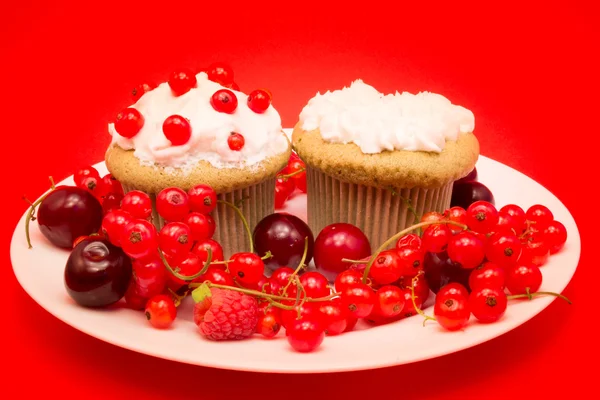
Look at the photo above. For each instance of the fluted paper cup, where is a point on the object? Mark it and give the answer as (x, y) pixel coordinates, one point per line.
(379, 213)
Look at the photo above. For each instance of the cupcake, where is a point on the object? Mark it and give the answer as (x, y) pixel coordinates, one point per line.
(381, 161)
(191, 131)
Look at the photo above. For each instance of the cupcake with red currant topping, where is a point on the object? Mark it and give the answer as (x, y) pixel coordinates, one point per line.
(380, 161)
(193, 130)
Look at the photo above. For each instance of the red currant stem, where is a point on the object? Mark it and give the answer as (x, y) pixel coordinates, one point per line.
(177, 299)
(291, 175)
(187, 278)
(412, 298)
(280, 305)
(244, 221)
(398, 236)
(300, 266)
(326, 298)
(530, 296)
(241, 201)
(347, 260)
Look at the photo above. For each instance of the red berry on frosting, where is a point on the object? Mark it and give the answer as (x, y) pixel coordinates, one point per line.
(139, 90)
(259, 100)
(235, 141)
(177, 129)
(220, 73)
(224, 101)
(129, 122)
(182, 81)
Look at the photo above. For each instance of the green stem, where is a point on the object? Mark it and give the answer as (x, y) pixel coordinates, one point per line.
(398, 236)
(412, 297)
(530, 296)
(347, 260)
(244, 221)
(31, 213)
(284, 177)
(187, 278)
(300, 266)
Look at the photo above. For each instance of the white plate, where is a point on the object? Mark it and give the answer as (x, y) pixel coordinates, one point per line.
(40, 272)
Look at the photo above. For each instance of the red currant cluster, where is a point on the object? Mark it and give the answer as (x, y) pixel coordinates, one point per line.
(176, 128)
(106, 189)
(288, 179)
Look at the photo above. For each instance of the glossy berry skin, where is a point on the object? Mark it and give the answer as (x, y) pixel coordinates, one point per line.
(555, 236)
(466, 193)
(507, 224)
(347, 278)
(84, 172)
(110, 184)
(488, 304)
(336, 242)
(268, 325)
(284, 235)
(259, 101)
(216, 275)
(503, 249)
(246, 268)
(224, 101)
(161, 311)
(175, 239)
(284, 187)
(97, 273)
(359, 300)
(308, 311)
(335, 317)
(517, 214)
(386, 268)
(420, 286)
(177, 130)
(92, 185)
(305, 335)
(432, 216)
(482, 217)
(202, 199)
(67, 213)
(452, 312)
(453, 290)
(201, 249)
(172, 204)
(129, 122)
(521, 279)
(466, 249)
(535, 249)
(389, 301)
(134, 300)
(540, 215)
(150, 277)
(441, 270)
(315, 284)
(410, 261)
(142, 89)
(137, 204)
(235, 141)
(189, 265)
(436, 237)
(182, 81)
(488, 275)
(411, 240)
(279, 279)
(220, 73)
(139, 239)
(111, 202)
(113, 225)
(202, 226)
(298, 168)
(409, 307)
(456, 214)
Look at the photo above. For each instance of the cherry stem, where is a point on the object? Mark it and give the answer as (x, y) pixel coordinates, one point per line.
(52, 185)
(287, 176)
(412, 297)
(31, 213)
(347, 260)
(244, 221)
(398, 236)
(530, 296)
(300, 266)
(187, 278)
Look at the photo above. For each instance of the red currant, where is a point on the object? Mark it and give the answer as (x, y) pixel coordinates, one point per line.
(466, 249)
(268, 325)
(540, 215)
(517, 214)
(217, 276)
(139, 239)
(411, 261)
(84, 173)
(161, 311)
(432, 216)
(175, 239)
(202, 226)
(150, 277)
(456, 214)
(189, 265)
(436, 237)
(284, 187)
(110, 184)
(113, 225)
(409, 308)
(420, 285)
(359, 299)
(138, 204)
(487, 275)
(92, 185)
(305, 335)
(280, 279)
(224, 101)
(182, 81)
(386, 268)
(201, 249)
(142, 89)
(389, 301)
(488, 304)
(247, 268)
(315, 284)
(172, 204)
(482, 217)
(129, 122)
(308, 311)
(503, 249)
(298, 168)
(112, 202)
(134, 300)
(555, 235)
(535, 249)
(411, 240)
(177, 130)
(235, 141)
(259, 101)
(452, 312)
(521, 279)
(347, 278)
(202, 199)
(220, 73)
(335, 317)
(507, 224)
(453, 290)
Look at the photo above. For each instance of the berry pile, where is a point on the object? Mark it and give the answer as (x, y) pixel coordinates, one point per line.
(290, 178)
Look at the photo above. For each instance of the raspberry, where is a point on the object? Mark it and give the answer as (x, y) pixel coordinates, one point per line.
(226, 315)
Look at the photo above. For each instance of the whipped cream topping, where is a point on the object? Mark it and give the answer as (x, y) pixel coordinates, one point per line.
(376, 122)
(210, 129)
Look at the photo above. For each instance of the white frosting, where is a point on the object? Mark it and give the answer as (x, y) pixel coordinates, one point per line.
(376, 122)
(262, 133)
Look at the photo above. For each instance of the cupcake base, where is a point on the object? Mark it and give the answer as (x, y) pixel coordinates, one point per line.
(379, 213)
(255, 202)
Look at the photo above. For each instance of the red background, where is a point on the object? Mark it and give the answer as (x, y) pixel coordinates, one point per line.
(528, 72)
